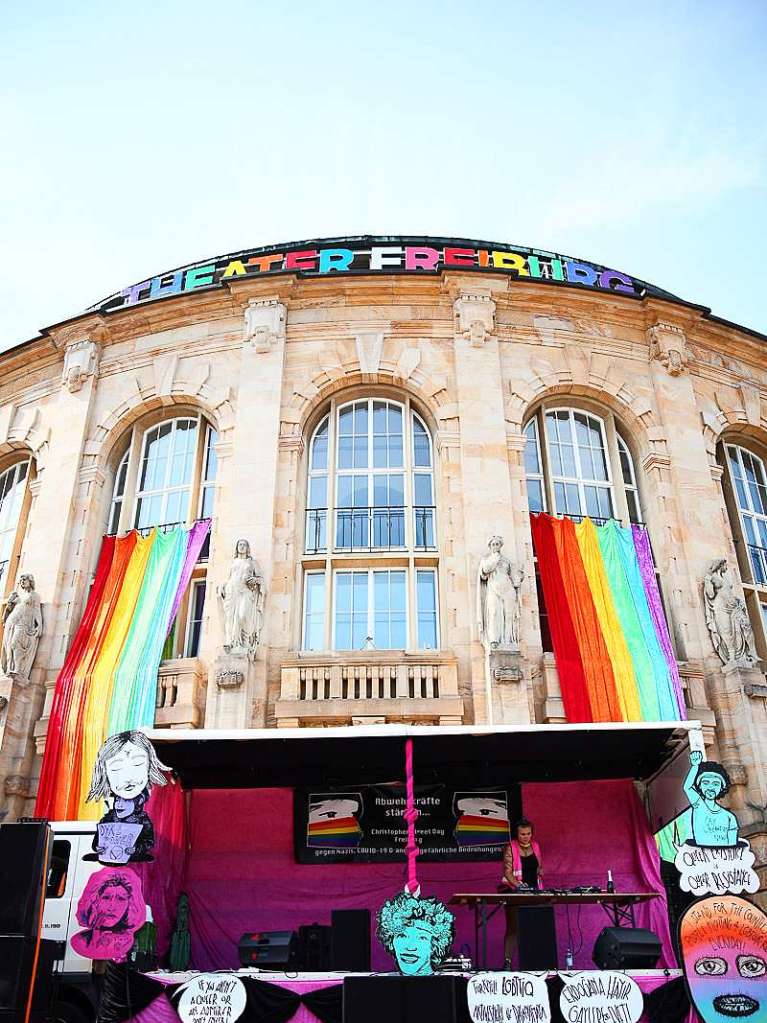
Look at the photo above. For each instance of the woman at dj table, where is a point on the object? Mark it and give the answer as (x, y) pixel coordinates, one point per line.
(522, 871)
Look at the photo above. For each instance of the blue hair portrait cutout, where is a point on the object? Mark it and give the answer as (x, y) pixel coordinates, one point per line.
(417, 932)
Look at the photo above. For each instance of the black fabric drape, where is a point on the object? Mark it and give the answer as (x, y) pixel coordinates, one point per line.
(326, 1004)
(669, 1003)
(125, 992)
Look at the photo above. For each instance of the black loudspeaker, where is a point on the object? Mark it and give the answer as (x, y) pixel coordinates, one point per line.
(268, 948)
(23, 867)
(537, 938)
(626, 948)
(405, 1000)
(314, 942)
(17, 957)
(350, 946)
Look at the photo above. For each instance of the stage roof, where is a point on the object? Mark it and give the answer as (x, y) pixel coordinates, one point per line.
(274, 757)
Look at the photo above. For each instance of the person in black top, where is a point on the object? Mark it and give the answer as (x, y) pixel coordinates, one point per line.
(522, 869)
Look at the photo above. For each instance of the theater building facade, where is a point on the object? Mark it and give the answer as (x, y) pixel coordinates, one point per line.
(371, 415)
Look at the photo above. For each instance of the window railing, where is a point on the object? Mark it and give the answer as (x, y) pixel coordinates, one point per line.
(758, 557)
(371, 529)
(164, 527)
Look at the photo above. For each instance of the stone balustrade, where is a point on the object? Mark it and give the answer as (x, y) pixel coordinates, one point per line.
(369, 687)
(181, 684)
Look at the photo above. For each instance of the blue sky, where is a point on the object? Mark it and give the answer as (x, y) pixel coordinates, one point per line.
(137, 137)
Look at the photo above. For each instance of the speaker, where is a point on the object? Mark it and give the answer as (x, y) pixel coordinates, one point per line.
(537, 938)
(350, 946)
(626, 948)
(405, 999)
(23, 866)
(314, 942)
(17, 957)
(268, 948)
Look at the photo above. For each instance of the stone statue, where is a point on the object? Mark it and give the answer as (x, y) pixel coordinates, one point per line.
(242, 603)
(727, 618)
(23, 626)
(498, 600)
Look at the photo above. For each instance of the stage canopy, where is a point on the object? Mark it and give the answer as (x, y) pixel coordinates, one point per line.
(270, 757)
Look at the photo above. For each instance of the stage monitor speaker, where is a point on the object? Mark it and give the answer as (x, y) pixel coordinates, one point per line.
(314, 943)
(626, 948)
(17, 957)
(268, 948)
(350, 948)
(405, 999)
(23, 868)
(537, 938)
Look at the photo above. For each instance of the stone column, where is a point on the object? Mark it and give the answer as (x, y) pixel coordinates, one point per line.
(237, 686)
(50, 547)
(486, 478)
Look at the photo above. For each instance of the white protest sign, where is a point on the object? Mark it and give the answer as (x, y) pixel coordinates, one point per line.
(508, 998)
(604, 997)
(715, 870)
(212, 998)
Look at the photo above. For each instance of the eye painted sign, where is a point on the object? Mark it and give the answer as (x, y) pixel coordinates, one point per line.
(508, 998)
(381, 254)
(723, 940)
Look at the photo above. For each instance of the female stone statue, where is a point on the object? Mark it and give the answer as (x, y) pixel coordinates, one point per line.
(727, 617)
(23, 626)
(242, 601)
(498, 608)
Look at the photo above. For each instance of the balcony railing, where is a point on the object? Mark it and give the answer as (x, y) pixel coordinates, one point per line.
(371, 529)
(369, 685)
(181, 686)
(758, 557)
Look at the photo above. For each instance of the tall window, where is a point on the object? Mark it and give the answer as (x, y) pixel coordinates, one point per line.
(13, 501)
(745, 487)
(166, 477)
(583, 467)
(371, 531)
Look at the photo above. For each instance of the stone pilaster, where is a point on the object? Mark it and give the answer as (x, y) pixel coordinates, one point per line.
(486, 480)
(237, 694)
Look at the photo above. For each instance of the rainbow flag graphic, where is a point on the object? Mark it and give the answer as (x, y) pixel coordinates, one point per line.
(474, 830)
(335, 833)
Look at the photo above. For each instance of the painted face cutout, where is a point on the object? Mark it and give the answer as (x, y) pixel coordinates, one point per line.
(724, 951)
(111, 909)
(128, 771)
(412, 947)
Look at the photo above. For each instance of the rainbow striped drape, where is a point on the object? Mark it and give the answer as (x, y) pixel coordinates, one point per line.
(108, 682)
(611, 641)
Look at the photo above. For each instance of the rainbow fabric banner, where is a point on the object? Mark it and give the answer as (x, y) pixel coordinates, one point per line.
(474, 830)
(336, 833)
(611, 641)
(108, 682)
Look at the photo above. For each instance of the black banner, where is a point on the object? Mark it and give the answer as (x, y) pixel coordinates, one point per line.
(365, 824)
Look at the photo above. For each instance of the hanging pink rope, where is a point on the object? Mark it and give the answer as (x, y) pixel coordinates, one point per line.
(411, 816)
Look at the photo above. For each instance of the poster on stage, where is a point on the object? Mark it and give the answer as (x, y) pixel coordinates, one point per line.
(723, 940)
(110, 910)
(212, 998)
(417, 933)
(518, 997)
(607, 995)
(364, 823)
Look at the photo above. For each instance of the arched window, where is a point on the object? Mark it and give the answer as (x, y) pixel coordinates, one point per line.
(583, 467)
(166, 477)
(370, 501)
(14, 484)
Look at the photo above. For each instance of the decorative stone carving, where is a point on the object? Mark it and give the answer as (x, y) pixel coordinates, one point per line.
(498, 598)
(242, 604)
(508, 673)
(727, 618)
(668, 344)
(229, 678)
(369, 350)
(474, 317)
(81, 360)
(23, 626)
(264, 323)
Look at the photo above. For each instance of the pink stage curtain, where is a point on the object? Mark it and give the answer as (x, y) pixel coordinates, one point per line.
(241, 872)
(163, 878)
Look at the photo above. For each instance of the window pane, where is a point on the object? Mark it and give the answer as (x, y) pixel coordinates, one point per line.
(318, 491)
(567, 453)
(345, 452)
(426, 590)
(421, 446)
(319, 459)
(422, 489)
(532, 454)
(535, 496)
(633, 506)
(345, 421)
(195, 620)
(314, 612)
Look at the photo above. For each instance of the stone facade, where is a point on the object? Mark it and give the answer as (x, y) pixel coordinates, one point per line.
(474, 355)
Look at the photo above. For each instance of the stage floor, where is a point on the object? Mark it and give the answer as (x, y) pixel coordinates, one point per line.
(323, 977)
